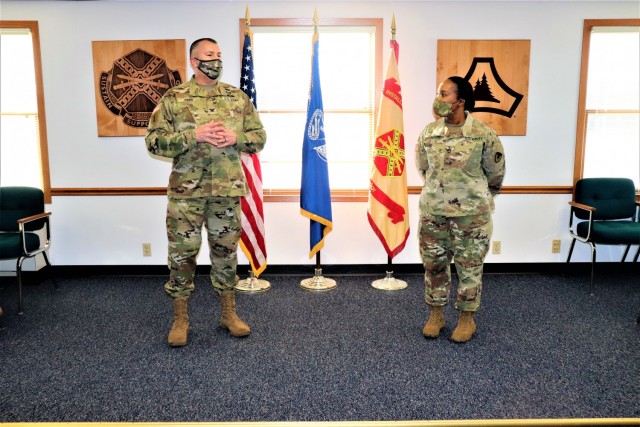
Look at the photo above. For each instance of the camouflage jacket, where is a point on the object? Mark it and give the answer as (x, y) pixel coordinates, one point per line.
(201, 169)
(462, 173)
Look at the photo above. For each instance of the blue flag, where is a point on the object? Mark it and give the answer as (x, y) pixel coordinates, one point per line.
(315, 196)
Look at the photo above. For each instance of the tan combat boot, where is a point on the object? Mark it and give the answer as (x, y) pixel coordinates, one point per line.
(229, 318)
(466, 327)
(435, 323)
(180, 328)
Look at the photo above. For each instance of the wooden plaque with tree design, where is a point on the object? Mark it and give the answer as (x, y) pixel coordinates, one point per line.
(130, 78)
(498, 71)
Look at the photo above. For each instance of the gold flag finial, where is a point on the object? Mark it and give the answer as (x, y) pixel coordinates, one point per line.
(315, 21)
(247, 18)
(393, 27)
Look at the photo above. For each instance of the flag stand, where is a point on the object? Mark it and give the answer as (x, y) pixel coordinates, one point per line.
(389, 283)
(252, 284)
(318, 283)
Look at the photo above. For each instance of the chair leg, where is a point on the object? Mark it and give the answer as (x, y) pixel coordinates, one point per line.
(573, 243)
(593, 262)
(19, 277)
(46, 260)
(626, 251)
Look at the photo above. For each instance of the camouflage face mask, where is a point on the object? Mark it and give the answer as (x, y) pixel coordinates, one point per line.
(441, 108)
(211, 68)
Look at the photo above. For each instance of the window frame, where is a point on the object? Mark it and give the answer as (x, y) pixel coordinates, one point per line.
(581, 130)
(292, 195)
(32, 26)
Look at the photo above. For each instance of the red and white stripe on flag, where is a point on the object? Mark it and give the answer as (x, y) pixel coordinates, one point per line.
(252, 218)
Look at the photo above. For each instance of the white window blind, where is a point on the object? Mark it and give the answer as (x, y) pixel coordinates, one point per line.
(20, 162)
(282, 65)
(612, 143)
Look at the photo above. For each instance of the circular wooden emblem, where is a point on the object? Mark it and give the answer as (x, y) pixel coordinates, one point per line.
(134, 86)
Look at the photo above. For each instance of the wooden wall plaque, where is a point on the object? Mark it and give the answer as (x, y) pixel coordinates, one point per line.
(498, 70)
(130, 77)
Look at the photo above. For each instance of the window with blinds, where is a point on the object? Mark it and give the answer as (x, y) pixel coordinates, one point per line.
(23, 143)
(282, 65)
(612, 108)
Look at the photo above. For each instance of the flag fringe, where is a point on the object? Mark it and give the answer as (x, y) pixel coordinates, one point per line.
(313, 217)
(390, 252)
(257, 269)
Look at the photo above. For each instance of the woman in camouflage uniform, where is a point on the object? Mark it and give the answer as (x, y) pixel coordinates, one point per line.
(462, 163)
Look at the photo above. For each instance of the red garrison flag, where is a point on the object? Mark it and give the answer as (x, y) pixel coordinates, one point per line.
(252, 218)
(388, 203)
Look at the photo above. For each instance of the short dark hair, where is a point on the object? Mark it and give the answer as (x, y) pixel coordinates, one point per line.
(465, 91)
(197, 42)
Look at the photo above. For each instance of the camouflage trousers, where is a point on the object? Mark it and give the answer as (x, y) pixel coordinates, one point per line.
(185, 217)
(465, 240)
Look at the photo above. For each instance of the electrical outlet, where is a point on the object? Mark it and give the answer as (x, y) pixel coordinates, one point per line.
(555, 246)
(146, 249)
(496, 247)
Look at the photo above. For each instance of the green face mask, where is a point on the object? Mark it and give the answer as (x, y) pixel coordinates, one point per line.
(441, 108)
(211, 68)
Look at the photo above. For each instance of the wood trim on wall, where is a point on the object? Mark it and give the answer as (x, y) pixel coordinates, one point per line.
(578, 162)
(291, 195)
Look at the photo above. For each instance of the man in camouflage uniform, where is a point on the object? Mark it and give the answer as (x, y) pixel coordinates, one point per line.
(462, 162)
(204, 125)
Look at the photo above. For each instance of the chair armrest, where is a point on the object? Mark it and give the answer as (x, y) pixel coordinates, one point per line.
(591, 210)
(21, 227)
(33, 217)
(583, 207)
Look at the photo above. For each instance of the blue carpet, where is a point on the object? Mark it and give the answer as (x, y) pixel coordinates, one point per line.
(96, 351)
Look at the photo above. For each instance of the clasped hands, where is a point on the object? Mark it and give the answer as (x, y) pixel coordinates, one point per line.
(216, 134)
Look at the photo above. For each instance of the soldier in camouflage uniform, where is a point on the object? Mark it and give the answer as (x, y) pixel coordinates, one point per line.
(204, 125)
(462, 163)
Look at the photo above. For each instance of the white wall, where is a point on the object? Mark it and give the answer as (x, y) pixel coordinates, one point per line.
(109, 230)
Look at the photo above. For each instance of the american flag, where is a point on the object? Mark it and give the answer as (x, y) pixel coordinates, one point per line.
(252, 218)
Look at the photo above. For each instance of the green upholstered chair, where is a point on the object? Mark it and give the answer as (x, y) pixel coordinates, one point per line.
(604, 211)
(22, 219)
